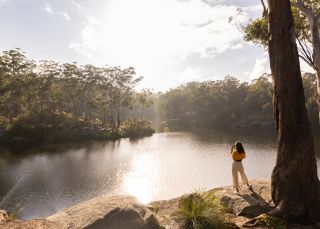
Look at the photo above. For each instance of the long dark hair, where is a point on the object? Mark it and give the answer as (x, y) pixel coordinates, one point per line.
(239, 147)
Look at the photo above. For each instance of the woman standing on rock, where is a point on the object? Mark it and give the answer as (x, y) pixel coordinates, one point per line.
(238, 154)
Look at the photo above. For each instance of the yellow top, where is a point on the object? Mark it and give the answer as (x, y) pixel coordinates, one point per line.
(238, 156)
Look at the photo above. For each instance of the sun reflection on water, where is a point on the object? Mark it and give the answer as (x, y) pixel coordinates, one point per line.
(141, 180)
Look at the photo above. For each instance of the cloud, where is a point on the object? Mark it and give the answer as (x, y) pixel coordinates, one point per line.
(63, 15)
(48, 8)
(76, 4)
(189, 74)
(236, 46)
(159, 36)
(197, 28)
(261, 66)
(173, 79)
(89, 39)
(4, 1)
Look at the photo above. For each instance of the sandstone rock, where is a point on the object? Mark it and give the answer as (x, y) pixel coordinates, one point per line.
(3, 215)
(122, 212)
(249, 202)
(243, 205)
(30, 224)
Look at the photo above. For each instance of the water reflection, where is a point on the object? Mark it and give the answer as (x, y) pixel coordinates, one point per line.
(141, 180)
(42, 181)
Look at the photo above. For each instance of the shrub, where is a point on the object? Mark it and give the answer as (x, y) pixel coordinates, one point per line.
(201, 210)
(134, 128)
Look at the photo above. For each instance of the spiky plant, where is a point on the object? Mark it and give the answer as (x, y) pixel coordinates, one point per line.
(200, 210)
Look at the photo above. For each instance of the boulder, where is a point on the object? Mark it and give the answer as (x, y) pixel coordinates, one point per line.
(122, 212)
(3, 215)
(249, 202)
(243, 205)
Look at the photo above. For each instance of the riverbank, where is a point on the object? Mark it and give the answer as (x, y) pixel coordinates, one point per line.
(235, 211)
(21, 136)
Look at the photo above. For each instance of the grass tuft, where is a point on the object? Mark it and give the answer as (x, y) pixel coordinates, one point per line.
(201, 210)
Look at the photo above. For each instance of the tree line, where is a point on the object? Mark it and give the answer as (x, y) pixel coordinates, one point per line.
(228, 103)
(48, 94)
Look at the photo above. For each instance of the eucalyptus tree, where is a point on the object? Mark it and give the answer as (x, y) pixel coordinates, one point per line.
(295, 183)
(48, 101)
(72, 81)
(91, 76)
(121, 95)
(144, 98)
(306, 19)
(259, 96)
(16, 77)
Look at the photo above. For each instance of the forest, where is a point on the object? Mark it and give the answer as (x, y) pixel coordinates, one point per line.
(46, 101)
(49, 101)
(228, 103)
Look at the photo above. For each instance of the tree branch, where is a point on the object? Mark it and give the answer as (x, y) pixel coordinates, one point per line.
(265, 9)
(306, 10)
(305, 53)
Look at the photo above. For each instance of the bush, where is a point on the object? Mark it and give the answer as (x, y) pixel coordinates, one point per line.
(201, 210)
(134, 128)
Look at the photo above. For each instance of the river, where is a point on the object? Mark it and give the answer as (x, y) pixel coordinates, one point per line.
(41, 181)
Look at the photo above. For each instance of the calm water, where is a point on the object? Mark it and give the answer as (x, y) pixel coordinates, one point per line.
(40, 182)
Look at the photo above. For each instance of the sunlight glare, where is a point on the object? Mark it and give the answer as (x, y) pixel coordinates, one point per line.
(141, 180)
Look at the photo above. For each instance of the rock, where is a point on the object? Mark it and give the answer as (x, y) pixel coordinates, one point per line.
(248, 203)
(3, 215)
(126, 212)
(165, 211)
(123, 212)
(243, 205)
(123, 219)
(30, 224)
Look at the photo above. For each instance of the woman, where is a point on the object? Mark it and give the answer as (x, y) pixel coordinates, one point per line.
(238, 154)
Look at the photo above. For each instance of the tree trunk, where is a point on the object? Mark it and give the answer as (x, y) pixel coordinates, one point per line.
(318, 93)
(295, 184)
(142, 110)
(315, 40)
(118, 118)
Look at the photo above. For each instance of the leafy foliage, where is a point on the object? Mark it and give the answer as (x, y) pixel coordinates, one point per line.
(257, 31)
(38, 97)
(133, 128)
(227, 103)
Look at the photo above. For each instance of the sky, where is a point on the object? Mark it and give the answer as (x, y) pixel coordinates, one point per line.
(169, 42)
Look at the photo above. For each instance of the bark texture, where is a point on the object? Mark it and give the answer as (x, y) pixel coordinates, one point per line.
(295, 184)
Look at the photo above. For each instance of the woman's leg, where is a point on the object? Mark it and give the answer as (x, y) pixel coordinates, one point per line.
(244, 177)
(235, 176)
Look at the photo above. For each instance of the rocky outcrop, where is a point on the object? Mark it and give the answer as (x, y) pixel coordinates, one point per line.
(242, 207)
(250, 202)
(122, 212)
(125, 212)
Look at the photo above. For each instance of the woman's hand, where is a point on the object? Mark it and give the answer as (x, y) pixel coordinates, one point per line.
(232, 148)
